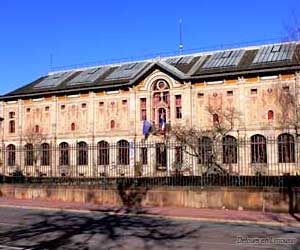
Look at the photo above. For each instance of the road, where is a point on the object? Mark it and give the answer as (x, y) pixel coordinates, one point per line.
(42, 229)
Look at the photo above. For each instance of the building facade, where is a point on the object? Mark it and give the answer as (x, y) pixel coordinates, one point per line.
(89, 121)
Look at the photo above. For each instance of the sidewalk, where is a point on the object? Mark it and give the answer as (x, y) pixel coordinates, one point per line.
(211, 215)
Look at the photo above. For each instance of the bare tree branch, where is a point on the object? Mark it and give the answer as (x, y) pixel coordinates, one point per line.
(33, 137)
(293, 32)
(287, 116)
(190, 138)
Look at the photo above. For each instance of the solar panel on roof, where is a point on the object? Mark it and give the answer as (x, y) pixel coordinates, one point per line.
(173, 60)
(54, 80)
(224, 59)
(186, 60)
(88, 76)
(92, 71)
(128, 66)
(126, 71)
(275, 53)
(276, 48)
(180, 60)
(226, 54)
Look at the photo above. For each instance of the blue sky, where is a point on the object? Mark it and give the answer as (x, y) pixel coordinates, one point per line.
(86, 31)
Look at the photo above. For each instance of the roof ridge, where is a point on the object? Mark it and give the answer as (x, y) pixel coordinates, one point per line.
(160, 58)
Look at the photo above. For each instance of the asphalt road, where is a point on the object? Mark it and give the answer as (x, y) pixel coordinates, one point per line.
(40, 229)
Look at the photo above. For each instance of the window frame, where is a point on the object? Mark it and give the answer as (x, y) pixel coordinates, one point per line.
(64, 154)
(286, 148)
(82, 153)
(123, 152)
(11, 155)
(258, 149)
(103, 150)
(45, 154)
(230, 150)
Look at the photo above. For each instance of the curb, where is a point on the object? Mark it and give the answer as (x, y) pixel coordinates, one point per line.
(229, 221)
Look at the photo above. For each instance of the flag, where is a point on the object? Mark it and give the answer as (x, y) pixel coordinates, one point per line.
(146, 128)
(162, 123)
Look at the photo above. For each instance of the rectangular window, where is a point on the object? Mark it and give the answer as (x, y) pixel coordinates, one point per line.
(200, 95)
(143, 108)
(12, 127)
(178, 113)
(166, 97)
(178, 106)
(286, 88)
(253, 91)
(229, 93)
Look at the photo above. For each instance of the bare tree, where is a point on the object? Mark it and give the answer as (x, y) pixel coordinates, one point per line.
(293, 32)
(293, 29)
(189, 138)
(287, 115)
(33, 139)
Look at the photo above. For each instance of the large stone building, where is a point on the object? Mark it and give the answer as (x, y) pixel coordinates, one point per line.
(107, 104)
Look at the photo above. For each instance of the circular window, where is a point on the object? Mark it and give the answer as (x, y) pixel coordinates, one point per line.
(161, 85)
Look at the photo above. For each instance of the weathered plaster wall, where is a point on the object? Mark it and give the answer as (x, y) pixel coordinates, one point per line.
(262, 199)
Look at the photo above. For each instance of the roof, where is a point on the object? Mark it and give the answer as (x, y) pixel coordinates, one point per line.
(264, 59)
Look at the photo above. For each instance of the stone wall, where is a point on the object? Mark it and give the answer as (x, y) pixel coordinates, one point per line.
(262, 199)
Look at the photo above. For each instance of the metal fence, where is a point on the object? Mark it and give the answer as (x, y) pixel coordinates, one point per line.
(257, 161)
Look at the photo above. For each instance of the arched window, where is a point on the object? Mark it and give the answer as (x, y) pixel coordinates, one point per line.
(161, 155)
(229, 149)
(215, 118)
(258, 149)
(103, 153)
(45, 154)
(11, 155)
(64, 154)
(73, 126)
(123, 152)
(12, 127)
(286, 148)
(270, 115)
(37, 128)
(82, 153)
(29, 157)
(112, 124)
(205, 150)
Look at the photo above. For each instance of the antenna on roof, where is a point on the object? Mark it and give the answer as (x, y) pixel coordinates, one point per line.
(180, 36)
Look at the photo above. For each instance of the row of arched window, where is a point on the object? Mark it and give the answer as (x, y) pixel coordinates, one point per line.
(82, 154)
(285, 144)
